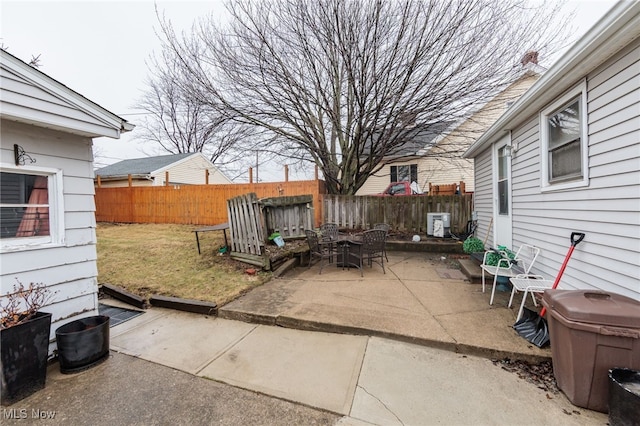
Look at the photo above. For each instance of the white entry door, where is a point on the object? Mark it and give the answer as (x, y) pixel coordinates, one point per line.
(502, 193)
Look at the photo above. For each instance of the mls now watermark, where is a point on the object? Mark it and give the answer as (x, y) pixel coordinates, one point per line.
(23, 413)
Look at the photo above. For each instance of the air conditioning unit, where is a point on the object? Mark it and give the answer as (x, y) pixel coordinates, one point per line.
(440, 229)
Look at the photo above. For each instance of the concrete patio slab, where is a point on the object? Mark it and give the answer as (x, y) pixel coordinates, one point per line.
(418, 300)
(185, 341)
(404, 384)
(447, 297)
(317, 369)
(413, 266)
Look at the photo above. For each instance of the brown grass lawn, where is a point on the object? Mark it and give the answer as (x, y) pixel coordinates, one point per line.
(148, 259)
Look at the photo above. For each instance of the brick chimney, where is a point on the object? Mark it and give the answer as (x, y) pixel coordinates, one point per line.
(530, 57)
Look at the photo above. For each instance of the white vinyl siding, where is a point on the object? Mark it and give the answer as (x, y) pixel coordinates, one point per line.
(483, 196)
(608, 210)
(68, 268)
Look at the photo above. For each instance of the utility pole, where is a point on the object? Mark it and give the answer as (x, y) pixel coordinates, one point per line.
(257, 180)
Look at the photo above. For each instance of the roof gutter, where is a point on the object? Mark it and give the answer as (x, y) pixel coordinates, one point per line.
(617, 28)
(123, 177)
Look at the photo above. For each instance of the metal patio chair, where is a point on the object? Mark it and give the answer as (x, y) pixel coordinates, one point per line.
(521, 264)
(319, 249)
(385, 227)
(373, 245)
(529, 284)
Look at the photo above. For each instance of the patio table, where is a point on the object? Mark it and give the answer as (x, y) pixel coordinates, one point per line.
(349, 250)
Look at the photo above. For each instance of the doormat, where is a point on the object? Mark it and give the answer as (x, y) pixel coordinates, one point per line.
(117, 315)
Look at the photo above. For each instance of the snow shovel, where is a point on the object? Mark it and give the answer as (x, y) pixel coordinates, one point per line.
(534, 327)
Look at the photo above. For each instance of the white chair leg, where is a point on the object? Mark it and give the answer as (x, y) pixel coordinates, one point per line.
(513, 292)
(483, 280)
(524, 298)
(493, 290)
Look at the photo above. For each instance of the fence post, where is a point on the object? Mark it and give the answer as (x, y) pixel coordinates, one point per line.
(130, 180)
(99, 182)
(250, 174)
(286, 173)
(206, 176)
(166, 178)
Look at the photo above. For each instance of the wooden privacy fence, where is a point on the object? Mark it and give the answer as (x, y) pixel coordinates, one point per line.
(191, 204)
(402, 213)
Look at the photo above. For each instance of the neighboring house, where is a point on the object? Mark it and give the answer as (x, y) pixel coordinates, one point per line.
(183, 169)
(434, 156)
(566, 157)
(47, 210)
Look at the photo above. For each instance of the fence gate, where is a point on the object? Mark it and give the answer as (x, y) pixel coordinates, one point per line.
(251, 220)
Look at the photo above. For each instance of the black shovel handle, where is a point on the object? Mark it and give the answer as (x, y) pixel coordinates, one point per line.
(576, 237)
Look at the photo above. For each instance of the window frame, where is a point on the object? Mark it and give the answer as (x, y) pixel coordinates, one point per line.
(578, 93)
(56, 210)
(413, 172)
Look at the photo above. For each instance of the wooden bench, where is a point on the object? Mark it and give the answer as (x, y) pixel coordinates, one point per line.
(220, 227)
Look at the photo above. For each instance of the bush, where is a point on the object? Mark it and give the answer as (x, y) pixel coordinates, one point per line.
(473, 245)
(494, 257)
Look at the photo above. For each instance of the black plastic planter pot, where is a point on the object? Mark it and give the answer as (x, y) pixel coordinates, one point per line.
(24, 351)
(624, 397)
(83, 343)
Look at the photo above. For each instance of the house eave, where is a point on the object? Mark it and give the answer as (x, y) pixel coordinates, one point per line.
(617, 28)
(105, 122)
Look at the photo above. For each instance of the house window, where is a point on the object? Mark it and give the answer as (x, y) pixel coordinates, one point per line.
(407, 173)
(564, 142)
(503, 182)
(28, 213)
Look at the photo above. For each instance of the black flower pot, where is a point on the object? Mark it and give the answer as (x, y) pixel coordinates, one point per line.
(24, 351)
(83, 343)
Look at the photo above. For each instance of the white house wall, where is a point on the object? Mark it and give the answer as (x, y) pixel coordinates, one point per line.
(190, 171)
(69, 269)
(483, 197)
(608, 210)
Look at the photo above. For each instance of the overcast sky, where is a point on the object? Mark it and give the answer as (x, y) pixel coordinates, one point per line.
(99, 49)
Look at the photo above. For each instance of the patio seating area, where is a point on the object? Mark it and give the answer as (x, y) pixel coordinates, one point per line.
(348, 250)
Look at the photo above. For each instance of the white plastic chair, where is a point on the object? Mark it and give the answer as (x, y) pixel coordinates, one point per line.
(521, 264)
(529, 284)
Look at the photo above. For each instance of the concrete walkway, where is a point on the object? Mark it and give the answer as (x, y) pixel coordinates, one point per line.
(171, 367)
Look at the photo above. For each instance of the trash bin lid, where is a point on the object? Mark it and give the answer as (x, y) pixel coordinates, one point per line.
(595, 307)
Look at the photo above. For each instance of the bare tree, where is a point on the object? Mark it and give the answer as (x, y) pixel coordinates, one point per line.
(345, 83)
(179, 123)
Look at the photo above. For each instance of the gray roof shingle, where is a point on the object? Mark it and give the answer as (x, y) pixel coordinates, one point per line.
(140, 166)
